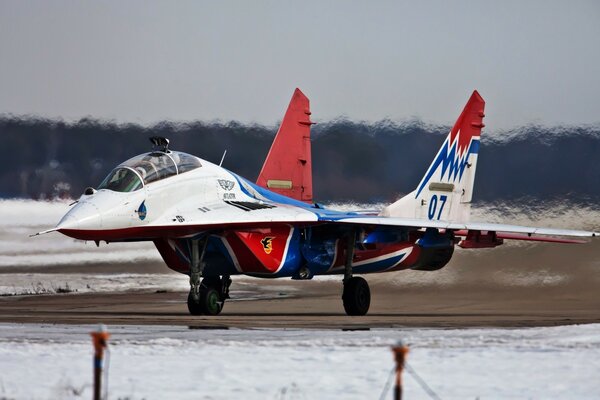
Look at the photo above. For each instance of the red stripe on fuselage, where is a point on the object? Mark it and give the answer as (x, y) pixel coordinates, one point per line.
(171, 231)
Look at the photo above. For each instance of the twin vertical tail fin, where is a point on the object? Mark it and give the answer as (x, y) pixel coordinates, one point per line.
(446, 190)
(288, 167)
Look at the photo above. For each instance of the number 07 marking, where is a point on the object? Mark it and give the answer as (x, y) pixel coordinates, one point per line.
(433, 205)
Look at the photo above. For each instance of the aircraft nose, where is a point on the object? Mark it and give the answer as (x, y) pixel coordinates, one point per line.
(81, 216)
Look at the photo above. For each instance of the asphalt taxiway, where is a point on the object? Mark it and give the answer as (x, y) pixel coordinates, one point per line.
(289, 304)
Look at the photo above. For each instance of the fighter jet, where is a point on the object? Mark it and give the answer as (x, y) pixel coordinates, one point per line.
(211, 224)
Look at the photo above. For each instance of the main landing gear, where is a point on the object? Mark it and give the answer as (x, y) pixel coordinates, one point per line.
(206, 297)
(357, 295)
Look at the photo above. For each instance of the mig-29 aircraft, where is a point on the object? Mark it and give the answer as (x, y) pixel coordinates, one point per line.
(210, 223)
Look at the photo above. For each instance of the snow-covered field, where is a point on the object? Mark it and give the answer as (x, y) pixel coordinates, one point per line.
(21, 218)
(54, 362)
(36, 283)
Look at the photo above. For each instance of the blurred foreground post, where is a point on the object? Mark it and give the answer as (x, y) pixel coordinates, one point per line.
(400, 351)
(100, 340)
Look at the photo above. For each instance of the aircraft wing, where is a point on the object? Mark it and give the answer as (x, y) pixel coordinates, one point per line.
(464, 226)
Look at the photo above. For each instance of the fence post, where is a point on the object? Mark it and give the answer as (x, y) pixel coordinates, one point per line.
(100, 340)
(400, 351)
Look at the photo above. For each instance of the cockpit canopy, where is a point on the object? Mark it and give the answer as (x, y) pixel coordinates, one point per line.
(146, 168)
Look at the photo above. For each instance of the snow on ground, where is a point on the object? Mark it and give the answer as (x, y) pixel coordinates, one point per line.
(21, 218)
(35, 283)
(49, 362)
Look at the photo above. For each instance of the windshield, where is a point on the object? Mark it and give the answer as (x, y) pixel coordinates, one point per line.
(152, 166)
(121, 180)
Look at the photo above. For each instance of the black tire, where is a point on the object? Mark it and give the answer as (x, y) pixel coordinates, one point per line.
(193, 306)
(210, 300)
(357, 296)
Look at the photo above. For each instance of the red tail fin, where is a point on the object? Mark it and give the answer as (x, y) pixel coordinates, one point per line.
(288, 167)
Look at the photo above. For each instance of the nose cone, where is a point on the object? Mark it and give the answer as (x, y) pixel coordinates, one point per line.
(83, 216)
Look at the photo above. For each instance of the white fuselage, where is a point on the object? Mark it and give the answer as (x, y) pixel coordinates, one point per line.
(196, 197)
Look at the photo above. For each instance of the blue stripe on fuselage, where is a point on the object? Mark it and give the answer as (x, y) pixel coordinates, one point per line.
(322, 213)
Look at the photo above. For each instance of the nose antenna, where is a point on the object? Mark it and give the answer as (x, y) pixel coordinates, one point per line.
(160, 143)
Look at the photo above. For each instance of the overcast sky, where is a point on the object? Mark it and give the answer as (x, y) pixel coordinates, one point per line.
(533, 61)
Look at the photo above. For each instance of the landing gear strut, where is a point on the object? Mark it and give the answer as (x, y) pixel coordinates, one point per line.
(357, 295)
(206, 297)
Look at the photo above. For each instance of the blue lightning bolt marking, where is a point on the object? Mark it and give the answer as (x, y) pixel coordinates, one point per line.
(450, 161)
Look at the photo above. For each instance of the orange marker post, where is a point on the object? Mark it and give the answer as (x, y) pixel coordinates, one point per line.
(400, 351)
(100, 339)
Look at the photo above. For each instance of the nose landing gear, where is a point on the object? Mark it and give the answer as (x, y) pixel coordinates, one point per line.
(206, 297)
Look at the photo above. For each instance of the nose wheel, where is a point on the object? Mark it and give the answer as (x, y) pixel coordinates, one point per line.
(206, 297)
(211, 296)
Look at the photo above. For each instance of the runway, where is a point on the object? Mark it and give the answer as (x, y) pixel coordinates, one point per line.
(317, 305)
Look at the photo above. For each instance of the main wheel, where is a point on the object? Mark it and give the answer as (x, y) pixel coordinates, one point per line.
(356, 296)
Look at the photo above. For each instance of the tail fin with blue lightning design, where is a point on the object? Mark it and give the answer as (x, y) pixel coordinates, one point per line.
(446, 190)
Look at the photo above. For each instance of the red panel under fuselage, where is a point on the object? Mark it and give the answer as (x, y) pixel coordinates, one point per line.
(263, 251)
(259, 251)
